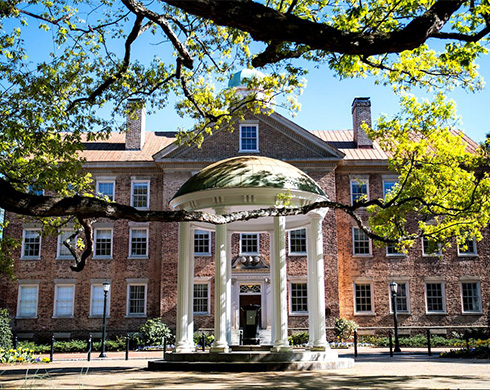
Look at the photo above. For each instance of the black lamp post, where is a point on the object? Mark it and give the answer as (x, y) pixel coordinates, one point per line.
(106, 287)
(394, 292)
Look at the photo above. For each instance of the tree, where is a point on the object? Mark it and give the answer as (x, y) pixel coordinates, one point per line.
(51, 103)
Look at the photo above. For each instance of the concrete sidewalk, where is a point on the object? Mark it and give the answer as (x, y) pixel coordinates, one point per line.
(374, 368)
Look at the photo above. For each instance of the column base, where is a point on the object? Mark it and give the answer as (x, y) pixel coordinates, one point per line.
(185, 349)
(224, 349)
(281, 348)
(319, 348)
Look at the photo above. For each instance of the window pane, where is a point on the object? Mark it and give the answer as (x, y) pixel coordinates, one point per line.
(401, 298)
(435, 299)
(140, 195)
(64, 301)
(27, 301)
(32, 243)
(250, 243)
(431, 247)
(248, 138)
(137, 299)
(98, 300)
(470, 247)
(63, 250)
(388, 186)
(358, 190)
(471, 297)
(106, 188)
(200, 298)
(201, 242)
(361, 242)
(139, 241)
(297, 241)
(299, 297)
(363, 298)
(103, 242)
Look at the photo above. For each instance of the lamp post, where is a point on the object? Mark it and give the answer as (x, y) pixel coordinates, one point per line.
(394, 292)
(106, 287)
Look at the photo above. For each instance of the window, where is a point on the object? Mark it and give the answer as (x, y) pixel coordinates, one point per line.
(202, 243)
(363, 298)
(139, 242)
(388, 185)
(103, 243)
(392, 251)
(97, 300)
(136, 300)
(106, 189)
(431, 248)
(470, 249)
(299, 298)
(358, 190)
(64, 298)
(471, 297)
(201, 298)
(434, 293)
(401, 298)
(140, 194)
(27, 301)
(249, 138)
(31, 244)
(361, 242)
(63, 251)
(249, 243)
(297, 242)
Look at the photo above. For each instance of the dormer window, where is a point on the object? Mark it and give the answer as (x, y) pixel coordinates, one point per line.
(249, 138)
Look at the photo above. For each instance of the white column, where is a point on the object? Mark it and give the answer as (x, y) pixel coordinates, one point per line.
(220, 286)
(316, 284)
(228, 288)
(279, 287)
(190, 305)
(183, 344)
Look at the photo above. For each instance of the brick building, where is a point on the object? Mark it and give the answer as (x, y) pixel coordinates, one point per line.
(140, 260)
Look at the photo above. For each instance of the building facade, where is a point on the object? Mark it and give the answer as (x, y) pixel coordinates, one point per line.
(443, 292)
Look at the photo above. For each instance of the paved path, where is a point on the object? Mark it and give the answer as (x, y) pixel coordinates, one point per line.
(373, 369)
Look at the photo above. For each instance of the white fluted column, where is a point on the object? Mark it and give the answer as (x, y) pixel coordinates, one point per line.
(183, 341)
(220, 291)
(279, 287)
(228, 288)
(190, 286)
(316, 284)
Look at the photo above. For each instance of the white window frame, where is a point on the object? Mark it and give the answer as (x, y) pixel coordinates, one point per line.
(96, 230)
(397, 254)
(443, 292)
(297, 281)
(407, 289)
(258, 245)
(38, 256)
(469, 254)
(208, 234)
(106, 181)
(136, 315)
(91, 313)
(56, 287)
(59, 256)
(354, 246)
(147, 182)
(388, 180)
(256, 150)
(476, 312)
(358, 180)
(434, 254)
(19, 300)
(130, 254)
(294, 253)
(208, 309)
(371, 287)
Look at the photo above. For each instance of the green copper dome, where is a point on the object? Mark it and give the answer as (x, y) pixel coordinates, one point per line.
(238, 79)
(250, 172)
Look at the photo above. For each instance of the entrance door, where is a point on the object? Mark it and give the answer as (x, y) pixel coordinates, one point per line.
(250, 294)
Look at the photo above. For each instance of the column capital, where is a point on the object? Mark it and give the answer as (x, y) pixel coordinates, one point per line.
(318, 213)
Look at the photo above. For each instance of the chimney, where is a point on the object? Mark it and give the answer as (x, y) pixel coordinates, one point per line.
(136, 124)
(361, 113)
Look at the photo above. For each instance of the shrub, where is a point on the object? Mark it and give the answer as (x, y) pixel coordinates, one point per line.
(5, 330)
(480, 352)
(344, 329)
(209, 339)
(153, 331)
(299, 338)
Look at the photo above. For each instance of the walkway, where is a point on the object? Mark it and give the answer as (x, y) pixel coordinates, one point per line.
(374, 369)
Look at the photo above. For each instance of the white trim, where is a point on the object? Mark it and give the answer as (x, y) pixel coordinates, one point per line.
(91, 314)
(443, 293)
(357, 180)
(370, 283)
(130, 255)
(59, 243)
(398, 254)
(353, 246)
(249, 124)
(100, 180)
(134, 181)
(37, 257)
(136, 315)
(400, 281)
(478, 284)
(200, 281)
(95, 243)
(297, 280)
(469, 254)
(290, 252)
(56, 287)
(203, 232)
(434, 254)
(19, 295)
(258, 245)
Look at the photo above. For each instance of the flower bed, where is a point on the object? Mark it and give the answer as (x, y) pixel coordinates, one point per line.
(20, 355)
